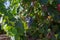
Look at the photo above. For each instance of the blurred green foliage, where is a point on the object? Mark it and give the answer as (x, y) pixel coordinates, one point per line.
(31, 19)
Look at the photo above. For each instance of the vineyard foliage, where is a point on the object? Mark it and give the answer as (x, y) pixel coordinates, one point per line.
(31, 19)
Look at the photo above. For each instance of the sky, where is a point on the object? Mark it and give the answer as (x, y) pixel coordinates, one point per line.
(7, 4)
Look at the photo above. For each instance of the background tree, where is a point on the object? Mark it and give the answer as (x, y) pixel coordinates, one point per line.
(31, 19)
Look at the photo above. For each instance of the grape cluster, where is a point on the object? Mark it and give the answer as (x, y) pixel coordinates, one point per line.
(58, 7)
(29, 21)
